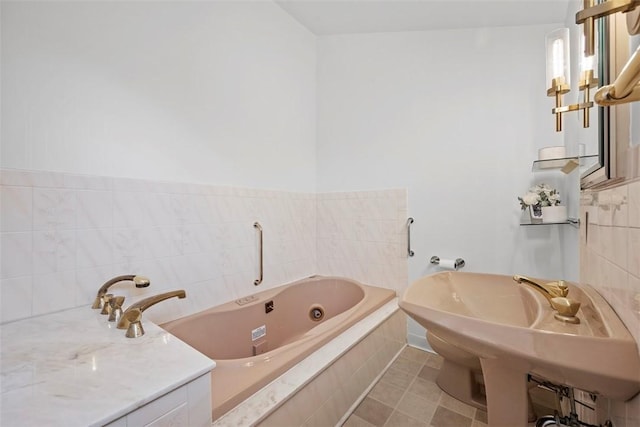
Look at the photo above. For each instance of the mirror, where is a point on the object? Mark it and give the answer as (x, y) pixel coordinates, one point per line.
(618, 139)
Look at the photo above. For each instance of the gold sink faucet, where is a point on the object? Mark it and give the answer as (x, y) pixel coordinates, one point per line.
(131, 319)
(99, 302)
(556, 293)
(549, 290)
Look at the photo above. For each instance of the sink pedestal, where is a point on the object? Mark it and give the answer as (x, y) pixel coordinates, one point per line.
(507, 396)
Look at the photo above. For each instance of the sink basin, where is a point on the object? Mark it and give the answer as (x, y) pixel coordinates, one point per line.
(511, 328)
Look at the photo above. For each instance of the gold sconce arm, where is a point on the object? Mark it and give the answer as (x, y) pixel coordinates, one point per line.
(558, 89)
(605, 9)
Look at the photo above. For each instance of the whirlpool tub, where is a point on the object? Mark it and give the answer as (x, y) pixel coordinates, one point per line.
(257, 338)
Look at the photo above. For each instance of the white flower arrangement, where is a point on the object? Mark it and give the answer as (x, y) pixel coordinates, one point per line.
(539, 196)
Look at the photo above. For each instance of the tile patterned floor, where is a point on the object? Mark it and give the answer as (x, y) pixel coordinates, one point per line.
(407, 396)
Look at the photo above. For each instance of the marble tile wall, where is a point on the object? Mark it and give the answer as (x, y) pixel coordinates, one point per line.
(63, 235)
(363, 235)
(610, 262)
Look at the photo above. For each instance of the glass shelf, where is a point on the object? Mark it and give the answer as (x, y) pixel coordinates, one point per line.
(564, 163)
(571, 221)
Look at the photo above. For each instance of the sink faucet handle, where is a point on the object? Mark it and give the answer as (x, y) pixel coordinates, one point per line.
(558, 288)
(564, 289)
(106, 307)
(116, 308)
(566, 308)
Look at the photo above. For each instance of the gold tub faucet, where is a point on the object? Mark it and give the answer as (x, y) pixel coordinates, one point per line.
(131, 319)
(99, 302)
(556, 293)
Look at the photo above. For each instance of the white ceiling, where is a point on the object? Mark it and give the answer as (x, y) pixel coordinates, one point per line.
(324, 17)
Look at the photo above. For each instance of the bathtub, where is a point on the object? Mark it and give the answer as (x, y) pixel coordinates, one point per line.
(257, 338)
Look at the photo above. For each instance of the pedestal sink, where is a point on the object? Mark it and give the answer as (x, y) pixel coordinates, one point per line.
(511, 328)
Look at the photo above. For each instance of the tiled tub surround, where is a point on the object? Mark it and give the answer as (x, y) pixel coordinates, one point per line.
(64, 235)
(610, 262)
(73, 368)
(362, 235)
(325, 387)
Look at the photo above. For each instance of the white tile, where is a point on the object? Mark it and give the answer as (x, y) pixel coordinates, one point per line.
(94, 247)
(16, 177)
(54, 209)
(633, 306)
(129, 245)
(89, 280)
(605, 212)
(94, 209)
(15, 298)
(54, 292)
(620, 206)
(159, 209)
(17, 254)
(88, 182)
(16, 204)
(619, 249)
(161, 242)
(634, 204)
(633, 253)
(129, 210)
(47, 179)
(54, 251)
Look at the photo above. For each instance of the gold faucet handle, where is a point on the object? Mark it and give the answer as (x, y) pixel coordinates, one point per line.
(558, 289)
(131, 314)
(134, 320)
(106, 304)
(116, 308)
(565, 306)
(563, 288)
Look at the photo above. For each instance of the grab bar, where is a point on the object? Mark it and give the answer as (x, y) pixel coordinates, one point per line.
(409, 251)
(259, 280)
(626, 87)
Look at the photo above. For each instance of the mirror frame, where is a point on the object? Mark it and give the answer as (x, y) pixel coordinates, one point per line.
(601, 171)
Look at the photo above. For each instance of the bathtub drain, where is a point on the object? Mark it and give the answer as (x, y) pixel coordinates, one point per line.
(316, 313)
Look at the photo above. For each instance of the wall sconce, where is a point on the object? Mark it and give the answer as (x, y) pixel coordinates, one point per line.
(558, 72)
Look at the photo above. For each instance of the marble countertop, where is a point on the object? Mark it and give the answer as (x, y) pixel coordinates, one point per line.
(73, 368)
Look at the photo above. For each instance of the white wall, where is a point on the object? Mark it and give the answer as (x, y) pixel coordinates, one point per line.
(208, 92)
(456, 117)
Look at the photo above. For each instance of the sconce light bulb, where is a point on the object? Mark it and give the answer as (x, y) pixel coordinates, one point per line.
(558, 58)
(588, 62)
(557, 47)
